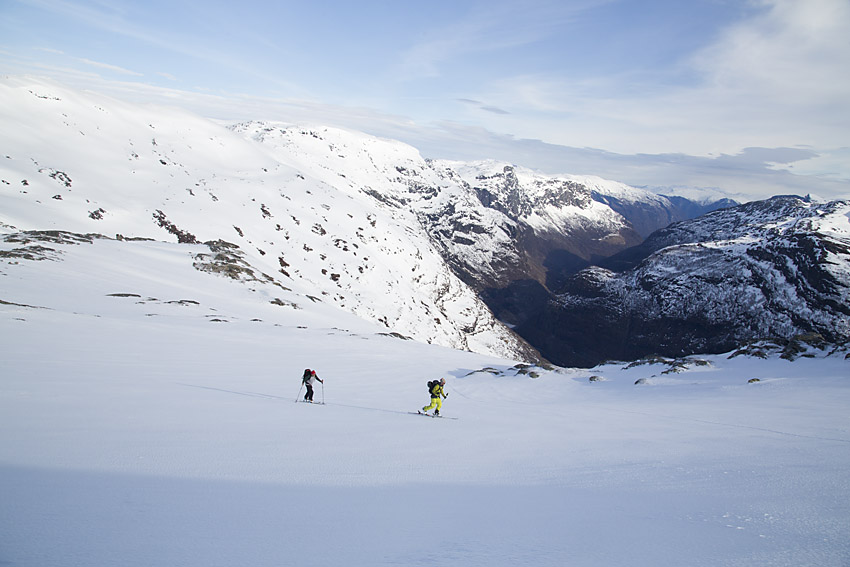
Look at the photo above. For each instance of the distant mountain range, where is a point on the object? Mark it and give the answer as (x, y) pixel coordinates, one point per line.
(484, 256)
(776, 270)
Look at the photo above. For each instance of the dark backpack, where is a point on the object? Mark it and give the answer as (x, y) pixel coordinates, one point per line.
(431, 386)
(307, 374)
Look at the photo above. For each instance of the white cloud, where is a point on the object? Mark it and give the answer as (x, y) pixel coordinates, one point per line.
(779, 77)
(793, 53)
(831, 164)
(488, 27)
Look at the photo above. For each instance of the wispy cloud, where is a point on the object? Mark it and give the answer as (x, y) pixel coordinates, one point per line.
(792, 52)
(488, 27)
(109, 67)
(123, 20)
(752, 173)
(480, 105)
(493, 109)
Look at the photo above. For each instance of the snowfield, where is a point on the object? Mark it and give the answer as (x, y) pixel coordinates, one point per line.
(147, 417)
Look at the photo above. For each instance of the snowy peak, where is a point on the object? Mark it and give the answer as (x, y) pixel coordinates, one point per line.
(777, 216)
(346, 159)
(520, 194)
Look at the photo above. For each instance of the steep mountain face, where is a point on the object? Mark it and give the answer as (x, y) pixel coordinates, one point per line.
(493, 222)
(511, 224)
(769, 269)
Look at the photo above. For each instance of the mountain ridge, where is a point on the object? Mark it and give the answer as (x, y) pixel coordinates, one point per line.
(463, 254)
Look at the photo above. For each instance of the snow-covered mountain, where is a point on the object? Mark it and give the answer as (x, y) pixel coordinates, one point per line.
(366, 224)
(83, 163)
(769, 270)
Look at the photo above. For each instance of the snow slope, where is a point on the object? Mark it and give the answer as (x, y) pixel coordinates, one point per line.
(89, 164)
(147, 418)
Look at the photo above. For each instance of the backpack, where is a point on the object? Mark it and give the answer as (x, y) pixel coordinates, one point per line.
(307, 374)
(431, 385)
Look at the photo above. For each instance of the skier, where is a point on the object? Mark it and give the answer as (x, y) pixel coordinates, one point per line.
(309, 379)
(436, 389)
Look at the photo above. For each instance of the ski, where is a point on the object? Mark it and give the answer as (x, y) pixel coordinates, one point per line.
(429, 415)
(309, 402)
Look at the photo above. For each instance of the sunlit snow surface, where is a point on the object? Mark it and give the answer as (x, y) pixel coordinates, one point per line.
(147, 418)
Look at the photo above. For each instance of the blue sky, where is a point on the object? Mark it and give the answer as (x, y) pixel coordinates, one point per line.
(748, 96)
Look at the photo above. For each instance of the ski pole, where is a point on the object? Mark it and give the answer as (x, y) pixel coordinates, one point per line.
(323, 393)
(299, 392)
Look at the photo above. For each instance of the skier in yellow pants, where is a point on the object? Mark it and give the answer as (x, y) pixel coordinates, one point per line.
(436, 399)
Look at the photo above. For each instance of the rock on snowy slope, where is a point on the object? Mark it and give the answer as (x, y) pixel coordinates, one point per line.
(770, 269)
(79, 162)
